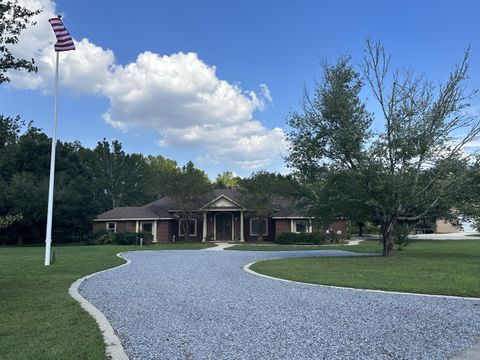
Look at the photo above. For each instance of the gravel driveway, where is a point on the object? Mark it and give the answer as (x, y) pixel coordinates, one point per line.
(202, 305)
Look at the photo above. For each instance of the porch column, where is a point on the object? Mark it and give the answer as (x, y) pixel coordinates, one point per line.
(137, 223)
(154, 230)
(242, 239)
(291, 226)
(204, 226)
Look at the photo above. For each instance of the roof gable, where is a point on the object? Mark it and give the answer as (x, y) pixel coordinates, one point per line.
(220, 203)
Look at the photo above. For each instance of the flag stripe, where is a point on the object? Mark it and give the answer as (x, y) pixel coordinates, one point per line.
(64, 40)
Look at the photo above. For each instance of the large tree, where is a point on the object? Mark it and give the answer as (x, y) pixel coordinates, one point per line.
(471, 193)
(227, 180)
(160, 171)
(260, 193)
(409, 167)
(13, 19)
(188, 188)
(120, 178)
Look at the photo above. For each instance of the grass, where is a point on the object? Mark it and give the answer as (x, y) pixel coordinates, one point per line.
(39, 320)
(367, 246)
(429, 267)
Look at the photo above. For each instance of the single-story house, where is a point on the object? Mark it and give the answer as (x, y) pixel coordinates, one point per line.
(220, 217)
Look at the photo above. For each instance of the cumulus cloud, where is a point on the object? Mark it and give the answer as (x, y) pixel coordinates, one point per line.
(178, 96)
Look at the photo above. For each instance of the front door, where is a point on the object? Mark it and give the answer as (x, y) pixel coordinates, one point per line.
(223, 227)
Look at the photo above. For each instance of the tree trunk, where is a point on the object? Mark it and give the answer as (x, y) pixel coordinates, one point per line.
(186, 230)
(260, 230)
(20, 239)
(388, 231)
(360, 228)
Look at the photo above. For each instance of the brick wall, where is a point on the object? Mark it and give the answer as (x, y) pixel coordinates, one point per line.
(99, 225)
(249, 237)
(126, 226)
(282, 226)
(122, 226)
(342, 226)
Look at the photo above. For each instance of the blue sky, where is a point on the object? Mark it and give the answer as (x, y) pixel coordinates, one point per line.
(216, 79)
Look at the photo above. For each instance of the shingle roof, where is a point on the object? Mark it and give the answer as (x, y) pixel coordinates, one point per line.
(130, 212)
(162, 207)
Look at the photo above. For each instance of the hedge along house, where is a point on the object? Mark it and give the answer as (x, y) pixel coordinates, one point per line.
(220, 216)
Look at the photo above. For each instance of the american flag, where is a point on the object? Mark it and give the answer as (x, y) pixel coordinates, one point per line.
(64, 40)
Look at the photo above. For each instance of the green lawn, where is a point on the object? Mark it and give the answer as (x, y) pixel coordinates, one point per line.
(367, 246)
(38, 319)
(429, 267)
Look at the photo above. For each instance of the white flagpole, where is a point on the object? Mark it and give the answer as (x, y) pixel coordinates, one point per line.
(48, 238)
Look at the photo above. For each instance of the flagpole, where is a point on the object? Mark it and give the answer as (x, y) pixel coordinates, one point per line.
(48, 237)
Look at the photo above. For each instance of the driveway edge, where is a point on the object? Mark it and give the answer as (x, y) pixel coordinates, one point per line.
(471, 353)
(247, 269)
(113, 346)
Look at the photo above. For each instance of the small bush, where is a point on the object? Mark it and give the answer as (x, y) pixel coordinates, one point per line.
(92, 238)
(332, 237)
(106, 238)
(147, 238)
(126, 238)
(401, 238)
(300, 238)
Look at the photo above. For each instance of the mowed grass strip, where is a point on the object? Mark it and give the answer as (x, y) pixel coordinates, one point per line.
(370, 246)
(38, 319)
(428, 267)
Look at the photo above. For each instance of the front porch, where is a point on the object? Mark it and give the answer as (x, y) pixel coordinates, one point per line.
(223, 220)
(223, 226)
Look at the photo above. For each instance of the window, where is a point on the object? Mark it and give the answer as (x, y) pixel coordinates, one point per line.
(254, 226)
(147, 227)
(192, 227)
(111, 226)
(301, 226)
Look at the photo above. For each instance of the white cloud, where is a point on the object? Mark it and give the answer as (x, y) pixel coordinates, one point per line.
(178, 96)
(473, 144)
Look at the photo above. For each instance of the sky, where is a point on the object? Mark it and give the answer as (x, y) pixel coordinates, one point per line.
(214, 81)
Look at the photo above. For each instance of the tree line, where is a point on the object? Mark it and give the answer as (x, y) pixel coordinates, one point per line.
(91, 181)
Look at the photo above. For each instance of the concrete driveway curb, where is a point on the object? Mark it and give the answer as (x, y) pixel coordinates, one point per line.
(471, 353)
(247, 269)
(113, 346)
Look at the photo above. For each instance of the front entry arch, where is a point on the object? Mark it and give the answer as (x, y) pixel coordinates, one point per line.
(223, 226)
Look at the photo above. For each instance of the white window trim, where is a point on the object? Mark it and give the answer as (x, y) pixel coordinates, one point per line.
(114, 226)
(309, 226)
(180, 227)
(255, 233)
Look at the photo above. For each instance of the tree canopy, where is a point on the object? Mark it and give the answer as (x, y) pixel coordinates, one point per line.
(260, 192)
(410, 167)
(13, 19)
(87, 182)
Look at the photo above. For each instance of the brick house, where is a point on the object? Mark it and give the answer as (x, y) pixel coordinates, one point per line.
(219, 217)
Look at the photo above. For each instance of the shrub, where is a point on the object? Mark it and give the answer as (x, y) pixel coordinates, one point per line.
(125, 238)
(401, 238)
(92, 238)
(147, 238)
(300, 238)
(106, 238)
